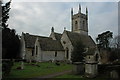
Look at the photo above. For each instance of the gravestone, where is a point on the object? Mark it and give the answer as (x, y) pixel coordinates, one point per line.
(91, 70)
(114, 74)
(79, 68)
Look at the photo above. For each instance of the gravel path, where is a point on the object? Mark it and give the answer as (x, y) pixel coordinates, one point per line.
(51, 75)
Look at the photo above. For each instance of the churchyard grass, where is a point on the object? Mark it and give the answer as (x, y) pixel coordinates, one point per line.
(31, 71)
(79, 76)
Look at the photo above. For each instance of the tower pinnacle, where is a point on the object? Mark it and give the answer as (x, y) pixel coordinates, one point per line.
(80, 22)
(87, 12)
(79, 9)
(71, 11)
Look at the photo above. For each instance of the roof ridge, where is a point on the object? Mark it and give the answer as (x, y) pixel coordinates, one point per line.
(37, 35)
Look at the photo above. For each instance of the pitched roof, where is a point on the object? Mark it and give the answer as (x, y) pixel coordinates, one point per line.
(75, 37)
(49, 44)
(58, 36)
(30, 40)
(91, 51)
(46, 43)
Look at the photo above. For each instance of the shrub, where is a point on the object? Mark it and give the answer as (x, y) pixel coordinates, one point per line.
(6, 67)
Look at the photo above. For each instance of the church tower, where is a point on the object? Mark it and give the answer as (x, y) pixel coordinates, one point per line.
(79, 21)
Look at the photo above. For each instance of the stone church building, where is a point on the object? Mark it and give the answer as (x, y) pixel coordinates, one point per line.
(58, 46)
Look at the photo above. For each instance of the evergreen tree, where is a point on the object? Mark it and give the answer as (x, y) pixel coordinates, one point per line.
(5, 14)
(77, 53)
(10, 41)
(103, 40)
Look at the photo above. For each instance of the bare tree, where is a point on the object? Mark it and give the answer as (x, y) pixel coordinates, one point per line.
(115, 43)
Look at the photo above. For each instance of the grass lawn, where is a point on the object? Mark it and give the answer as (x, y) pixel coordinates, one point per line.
(31, 71)
(79, 76)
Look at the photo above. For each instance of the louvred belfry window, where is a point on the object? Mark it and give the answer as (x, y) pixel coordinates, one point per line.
(76, 25)
(83, 25)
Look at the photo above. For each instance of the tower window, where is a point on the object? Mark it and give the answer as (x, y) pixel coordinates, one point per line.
(83, 24)
(76, 25)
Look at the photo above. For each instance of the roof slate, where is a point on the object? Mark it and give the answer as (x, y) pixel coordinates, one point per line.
(58, 36)
(46, 43)
(50, 45)
(75, 37)
(91, 51)
(30, 40)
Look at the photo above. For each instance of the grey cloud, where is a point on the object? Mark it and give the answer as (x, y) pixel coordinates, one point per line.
(38, 18)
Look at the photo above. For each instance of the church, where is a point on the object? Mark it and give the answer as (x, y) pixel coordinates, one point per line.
(58, 46)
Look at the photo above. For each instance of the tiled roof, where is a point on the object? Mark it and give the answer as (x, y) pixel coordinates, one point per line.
(30, 40)
(58, 36)
(91, 51)
(46, 43)
(49, 44)
(75, 37)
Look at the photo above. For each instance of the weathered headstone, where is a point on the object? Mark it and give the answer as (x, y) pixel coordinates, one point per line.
(114, 74)
(91, 70)
(79, 68)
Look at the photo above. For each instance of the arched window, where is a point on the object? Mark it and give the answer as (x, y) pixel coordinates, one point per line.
(96, 57)
(55, 53)
(67, 53)
(33, 52)
(36, 50)
(83, 24)
(76, 25)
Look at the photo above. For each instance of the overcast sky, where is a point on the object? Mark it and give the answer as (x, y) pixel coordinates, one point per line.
(39, 17)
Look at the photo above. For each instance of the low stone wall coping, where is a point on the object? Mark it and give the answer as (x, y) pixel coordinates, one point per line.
(78, 63)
